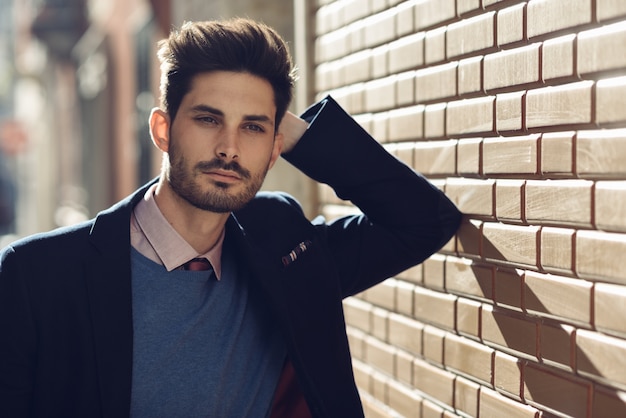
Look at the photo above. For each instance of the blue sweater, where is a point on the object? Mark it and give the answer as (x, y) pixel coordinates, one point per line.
(201, 347)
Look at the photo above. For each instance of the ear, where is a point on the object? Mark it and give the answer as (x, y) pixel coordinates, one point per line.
(160, 129)
(278, 147)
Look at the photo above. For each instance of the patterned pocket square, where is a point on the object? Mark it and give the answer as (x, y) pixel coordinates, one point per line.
(295, 253)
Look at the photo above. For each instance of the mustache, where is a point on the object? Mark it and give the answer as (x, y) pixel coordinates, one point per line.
(223, 165)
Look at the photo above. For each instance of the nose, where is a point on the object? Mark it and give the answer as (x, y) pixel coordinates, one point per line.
(227, 147)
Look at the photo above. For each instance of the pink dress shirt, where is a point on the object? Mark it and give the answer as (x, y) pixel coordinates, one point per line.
(153, 236)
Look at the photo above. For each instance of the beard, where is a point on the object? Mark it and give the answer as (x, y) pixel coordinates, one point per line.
(218, 196)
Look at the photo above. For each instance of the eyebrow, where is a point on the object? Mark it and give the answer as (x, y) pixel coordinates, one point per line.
(250, 118)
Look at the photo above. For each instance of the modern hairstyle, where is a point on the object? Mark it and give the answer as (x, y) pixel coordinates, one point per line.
(239, 45)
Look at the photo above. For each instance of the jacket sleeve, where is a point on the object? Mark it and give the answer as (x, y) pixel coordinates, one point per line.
(405, 218)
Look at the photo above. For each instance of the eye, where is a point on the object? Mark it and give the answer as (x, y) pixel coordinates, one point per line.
(206, 119)
(255, 128)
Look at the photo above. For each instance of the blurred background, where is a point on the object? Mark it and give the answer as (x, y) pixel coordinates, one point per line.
(78, 79)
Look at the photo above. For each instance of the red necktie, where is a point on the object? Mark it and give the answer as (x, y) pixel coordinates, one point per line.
(197, 264)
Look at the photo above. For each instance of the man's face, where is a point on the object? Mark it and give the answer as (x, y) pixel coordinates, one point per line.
(222, 140)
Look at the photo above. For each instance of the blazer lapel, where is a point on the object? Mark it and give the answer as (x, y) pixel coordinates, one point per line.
(108, 280)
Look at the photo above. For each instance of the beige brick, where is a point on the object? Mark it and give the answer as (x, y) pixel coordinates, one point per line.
(471, 35)
(557, 249)
(435, 121)
(404, 367)
(403, 151)
(472, 196)
(507, 375)
(557, 153)
(469, 238)
(469, 358)
(611, 100)
(358, 313)
(470, 116)
(406, 53)
(380, 27)
(559, 297)
(405, 89)
(510, 243)
(466, 394)
(464, 6)
(433, 381)
(434, 271)
(601, 153)
(405, 333)
(357, 67)
(379, 126)
(514, 155)
(435, 46)
(511, 333)
(466, 277)
(607, 9)
(431, 12)
(405, 18)
(546, 16)
(468, 317)
(509, 114)
(380, 355)
(554, 390)
(402, 399)
(356, 35)
(556, 345)
(382, 295)
(380, 61)
(608, 403)
(354, 10)
(404, 297)
(362, 375)
(380, 94)
(508, 288)
(431, 410)
(512, 67)
(470, 75)
(569, 104)
(610, 308)
(433, 344)
(610, 205)
(435, 157)
(332, 46)
(494, 405)
(406, 123)
(509, 200)
(413, 274)
(436, 82)
(558, 57)
(559, 201)
(379, 383)
(380, 320)
(434, 307)
(599, 255)
(511, 24)
(597, 49)
(469, 156)
(355, 339)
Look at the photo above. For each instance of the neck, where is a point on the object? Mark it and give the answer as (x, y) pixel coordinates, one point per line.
(200, 228)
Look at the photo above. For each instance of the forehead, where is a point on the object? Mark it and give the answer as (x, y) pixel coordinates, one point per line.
(231, 92)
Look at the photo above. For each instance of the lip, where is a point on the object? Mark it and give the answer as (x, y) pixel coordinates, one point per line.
(223, 175)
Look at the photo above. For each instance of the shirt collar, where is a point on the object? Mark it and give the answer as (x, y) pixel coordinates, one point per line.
(170, 247)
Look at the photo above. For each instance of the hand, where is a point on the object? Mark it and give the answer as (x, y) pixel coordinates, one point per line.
(292, 128)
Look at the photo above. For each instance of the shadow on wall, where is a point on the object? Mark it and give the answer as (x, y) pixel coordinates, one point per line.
(547, 382)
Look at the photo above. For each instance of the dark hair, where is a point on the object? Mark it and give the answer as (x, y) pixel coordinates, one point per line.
(238, 45)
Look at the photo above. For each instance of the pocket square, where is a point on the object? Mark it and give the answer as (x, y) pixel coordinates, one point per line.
(295, 253)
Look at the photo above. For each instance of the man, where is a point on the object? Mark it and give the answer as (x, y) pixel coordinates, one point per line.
(107, 319)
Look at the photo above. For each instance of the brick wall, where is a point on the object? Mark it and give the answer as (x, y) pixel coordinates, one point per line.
(517, 110)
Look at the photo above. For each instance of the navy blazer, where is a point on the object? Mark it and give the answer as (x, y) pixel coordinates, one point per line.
(65, 295)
